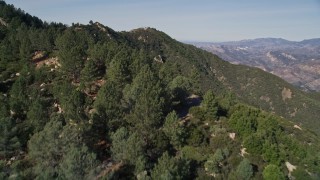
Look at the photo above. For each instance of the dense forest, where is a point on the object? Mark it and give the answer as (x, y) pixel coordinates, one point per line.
(86, 102)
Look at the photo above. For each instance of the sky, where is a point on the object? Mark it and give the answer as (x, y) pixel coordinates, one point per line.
(189, 20)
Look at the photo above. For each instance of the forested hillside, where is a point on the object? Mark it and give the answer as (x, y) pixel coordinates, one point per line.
(86, 102)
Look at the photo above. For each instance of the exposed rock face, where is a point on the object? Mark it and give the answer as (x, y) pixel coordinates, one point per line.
(296, 62)
(232, 136)
(290, 168)
(3, 22)
(286, 94)
(158, 59)
(297, 127)
(243, 152)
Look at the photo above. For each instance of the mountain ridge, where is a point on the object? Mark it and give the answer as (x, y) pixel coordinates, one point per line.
(296, 62)
(221, 77)
(266, 39)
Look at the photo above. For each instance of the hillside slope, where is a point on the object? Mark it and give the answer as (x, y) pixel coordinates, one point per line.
(251, 85)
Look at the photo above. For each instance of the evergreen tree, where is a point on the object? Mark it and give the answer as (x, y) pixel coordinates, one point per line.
(72, 47)
(9, 142)
(244, 170)
(272, 172)
(72, 101)
(46, 150)
(145, 96)
(8, 58)
(169, 71)
(268, 124)
(195, 80)
(226, 101)
(173, 130)
(170, 168)
(301, 174)
(140, 60)
(37, 115)
(119, 69)
(254, 143)
(77, 163)
(271, 153)
(74, 107)
(212, 165)
(244, 120)
(18, 97)
(99, 53)
(180, 88)
(128, 148)
(210, 105)
(25, 43)
(90, 72)
(47, 37)
(97, 132)
(106, 106)
(54, 147)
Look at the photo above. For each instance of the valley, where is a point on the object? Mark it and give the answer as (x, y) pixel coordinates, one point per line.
(296, 62)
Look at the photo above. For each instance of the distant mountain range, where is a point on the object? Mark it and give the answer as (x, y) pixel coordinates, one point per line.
(296, 62)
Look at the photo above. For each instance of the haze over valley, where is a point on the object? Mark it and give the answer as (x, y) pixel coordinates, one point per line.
(296, 62)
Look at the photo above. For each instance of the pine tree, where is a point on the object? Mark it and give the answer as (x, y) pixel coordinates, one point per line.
(105, 104)
(195, 80)
(99, 53)
(37, 115)
(145, 96)
(119, 69)
(77, 163)
(72, 101)
(271, 153)
(272, 172)
(72, 47)
(244, 170)
(170, 168)
(169, 71)
(128, 148)
(74, 106)
(210, 105)
(52, 148)
(244, 120)
(212, 165)
(90, 72)
(18, 97)
(25, 43)
(7, 56)
(9, 142)
(45, 149)
(173, 129)
(180, 88)
(139, 60)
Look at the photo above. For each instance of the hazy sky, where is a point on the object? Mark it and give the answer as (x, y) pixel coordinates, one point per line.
(194, 20)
